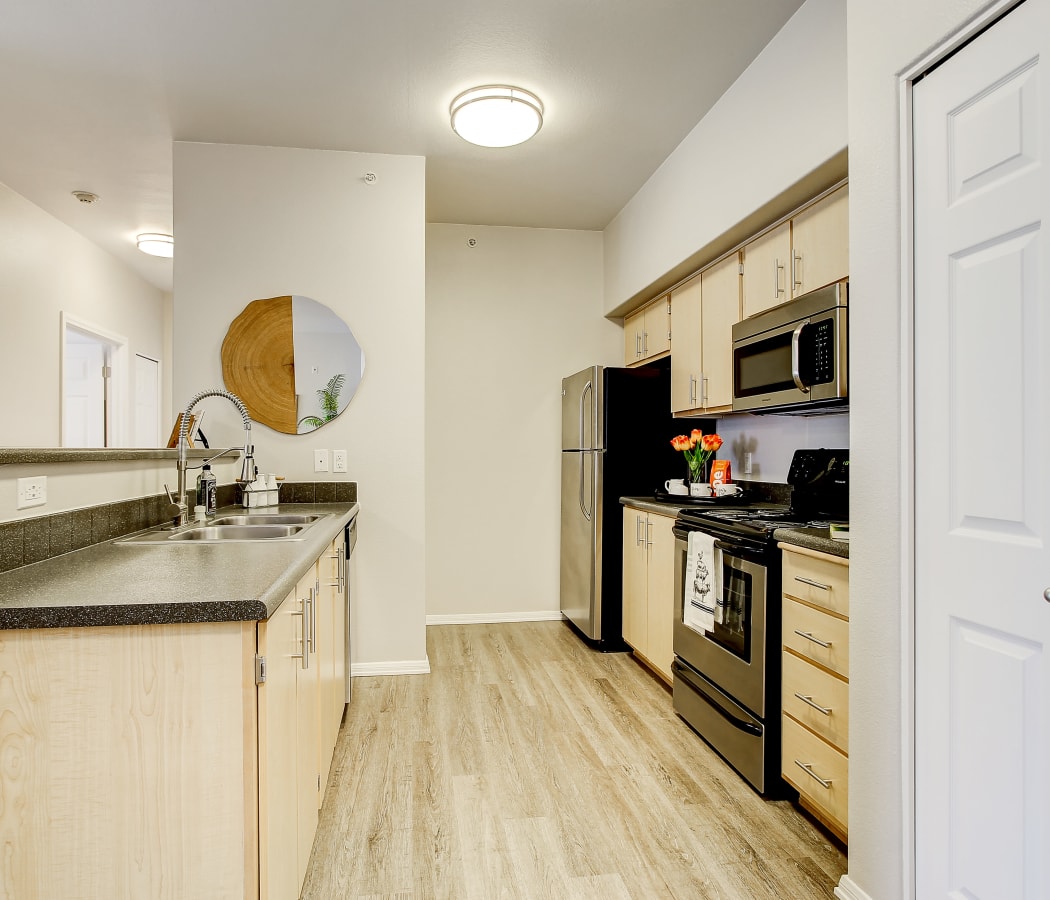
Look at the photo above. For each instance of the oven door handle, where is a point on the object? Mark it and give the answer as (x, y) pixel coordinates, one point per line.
(679, 671)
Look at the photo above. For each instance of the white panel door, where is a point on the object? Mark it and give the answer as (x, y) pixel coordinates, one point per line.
(982, 467)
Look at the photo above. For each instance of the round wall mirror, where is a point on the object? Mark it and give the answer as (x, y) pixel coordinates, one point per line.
(294, 363)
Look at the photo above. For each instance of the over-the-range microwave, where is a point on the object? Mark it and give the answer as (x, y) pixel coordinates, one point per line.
(794, 358)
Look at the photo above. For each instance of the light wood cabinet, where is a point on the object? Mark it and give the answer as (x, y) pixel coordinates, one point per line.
(648, 588)
(809, 251)
(331, 651)
(647, 332)
(151, 762)
(815, 749)
(703, 312)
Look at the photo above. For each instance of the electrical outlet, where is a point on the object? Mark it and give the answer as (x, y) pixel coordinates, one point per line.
(320, 460)
(338, 460)
(31, 492)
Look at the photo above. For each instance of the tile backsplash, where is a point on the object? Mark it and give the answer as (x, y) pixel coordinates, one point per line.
(33, 540)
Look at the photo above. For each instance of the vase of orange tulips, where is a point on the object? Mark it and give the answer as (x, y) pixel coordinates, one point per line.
(698, 449)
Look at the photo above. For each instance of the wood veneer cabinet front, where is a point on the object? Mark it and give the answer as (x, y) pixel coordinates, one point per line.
(815, 751)
(145, 761)
(648, 588)
(647, 332)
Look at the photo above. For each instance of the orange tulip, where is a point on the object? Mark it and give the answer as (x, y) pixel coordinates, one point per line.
(680, 443)
(711, 442)
(696, 434)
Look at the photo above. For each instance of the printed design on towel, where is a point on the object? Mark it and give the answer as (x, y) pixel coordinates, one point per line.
(702, 584)
(701, 590)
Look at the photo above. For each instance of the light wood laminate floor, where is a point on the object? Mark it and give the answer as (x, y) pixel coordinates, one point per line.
(527, 765)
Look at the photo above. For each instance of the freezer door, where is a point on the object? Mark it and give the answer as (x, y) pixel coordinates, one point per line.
(581, 540)
(582, 402)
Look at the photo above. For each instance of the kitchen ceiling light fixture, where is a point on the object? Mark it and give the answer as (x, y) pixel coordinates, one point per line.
(496, 115)
(156, 244)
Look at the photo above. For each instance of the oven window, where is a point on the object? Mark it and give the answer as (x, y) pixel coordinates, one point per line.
(764, 366)
(733, 616)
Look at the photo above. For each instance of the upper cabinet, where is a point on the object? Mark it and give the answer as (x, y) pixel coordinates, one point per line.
(807, 252)
(703, 312)
(647, 332)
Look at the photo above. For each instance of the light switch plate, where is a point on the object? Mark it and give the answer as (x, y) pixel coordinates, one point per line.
(338, 460)
(320, 460)
(31, 492)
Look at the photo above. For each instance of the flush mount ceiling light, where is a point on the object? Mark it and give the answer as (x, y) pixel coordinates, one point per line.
(496, 115)
(156, 244)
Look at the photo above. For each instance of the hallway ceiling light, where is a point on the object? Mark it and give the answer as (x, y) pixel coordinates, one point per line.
(156, 244)
(496, 115)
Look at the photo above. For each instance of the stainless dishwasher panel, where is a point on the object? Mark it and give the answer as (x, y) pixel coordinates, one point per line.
(350, 591)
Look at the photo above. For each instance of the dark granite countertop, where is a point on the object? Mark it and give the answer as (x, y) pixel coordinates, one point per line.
(812, 539)
(660, 507)
(138, 584)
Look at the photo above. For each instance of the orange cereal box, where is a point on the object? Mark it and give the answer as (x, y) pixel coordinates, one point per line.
(721, 472)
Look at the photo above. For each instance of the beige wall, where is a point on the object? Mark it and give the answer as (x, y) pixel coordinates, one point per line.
(256, 222)
(47, 268)
(507, 319)
(784, 117)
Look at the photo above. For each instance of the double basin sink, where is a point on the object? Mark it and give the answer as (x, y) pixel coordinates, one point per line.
(230, 528)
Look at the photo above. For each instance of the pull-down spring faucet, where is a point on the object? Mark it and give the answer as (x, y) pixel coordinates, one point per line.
(179, 508)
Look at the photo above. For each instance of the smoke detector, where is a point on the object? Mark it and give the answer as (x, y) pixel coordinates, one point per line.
(85, 196)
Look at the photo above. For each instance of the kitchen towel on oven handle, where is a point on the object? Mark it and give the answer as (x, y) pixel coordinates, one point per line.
(701, 589)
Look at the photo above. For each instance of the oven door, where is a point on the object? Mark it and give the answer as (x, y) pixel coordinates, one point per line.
(733, 656)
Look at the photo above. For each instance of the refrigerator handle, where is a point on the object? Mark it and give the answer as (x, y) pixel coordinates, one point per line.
(587, 388)
(583, 505)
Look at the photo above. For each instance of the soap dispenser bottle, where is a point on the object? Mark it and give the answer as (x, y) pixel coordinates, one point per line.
(207, 493)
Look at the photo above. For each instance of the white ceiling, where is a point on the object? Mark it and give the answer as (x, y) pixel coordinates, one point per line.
(96, 92)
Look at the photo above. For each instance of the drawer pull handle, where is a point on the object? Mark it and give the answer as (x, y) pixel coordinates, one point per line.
(809, 702)
(808, 635)
(816, 584)
(808, 769)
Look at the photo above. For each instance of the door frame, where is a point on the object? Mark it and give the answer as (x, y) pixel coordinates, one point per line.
(906, 85)
(117, 399)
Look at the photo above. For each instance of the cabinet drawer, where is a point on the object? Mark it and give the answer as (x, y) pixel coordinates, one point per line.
(817, 580)
(801, 749)
(824, 690)
(801, 620)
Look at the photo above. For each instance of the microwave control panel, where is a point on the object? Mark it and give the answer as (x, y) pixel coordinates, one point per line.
(820, 352)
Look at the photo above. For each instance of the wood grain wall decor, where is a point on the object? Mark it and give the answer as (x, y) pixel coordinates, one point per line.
(258, 362)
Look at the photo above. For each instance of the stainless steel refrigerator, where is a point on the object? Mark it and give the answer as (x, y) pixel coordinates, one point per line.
(616, 430)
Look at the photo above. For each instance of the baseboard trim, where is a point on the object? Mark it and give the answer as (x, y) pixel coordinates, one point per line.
(846, 889)
(396, 667)
(548, 615)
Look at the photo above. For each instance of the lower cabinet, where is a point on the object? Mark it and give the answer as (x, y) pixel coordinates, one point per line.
(648, 588)
(148, 760)
(815, 749)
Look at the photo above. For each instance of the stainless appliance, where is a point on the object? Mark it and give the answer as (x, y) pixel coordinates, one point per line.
(794, 358)
(616, 429)
(727, 681)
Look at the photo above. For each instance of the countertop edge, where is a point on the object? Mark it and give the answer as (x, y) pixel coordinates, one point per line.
(260, 605)
(806, 538)
(659, 507)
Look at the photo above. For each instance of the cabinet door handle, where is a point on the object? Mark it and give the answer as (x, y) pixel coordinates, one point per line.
(338, 583)
(796, 269)
(809, 702)
(703, 392)
(645, 342)
(692, 391)
(305, 655)
(648, 525)
(637, 343)
(638, 538)
(778, 268)
(808, 769)
(816, 584)
(809, 637)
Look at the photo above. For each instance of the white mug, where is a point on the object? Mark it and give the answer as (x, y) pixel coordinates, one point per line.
(676, 486)
(727, 490)
(699, 489)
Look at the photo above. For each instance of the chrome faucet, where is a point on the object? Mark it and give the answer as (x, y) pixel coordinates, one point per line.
(180, 511)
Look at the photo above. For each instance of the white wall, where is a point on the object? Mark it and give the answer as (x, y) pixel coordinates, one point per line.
(772, 440)
(883, 39)
(507, 319)
(257, 222)
(782, 118)
(47, 268)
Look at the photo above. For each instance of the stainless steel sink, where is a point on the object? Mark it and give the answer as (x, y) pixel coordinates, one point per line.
(229, 529)
(238, 533)
(263, 519)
